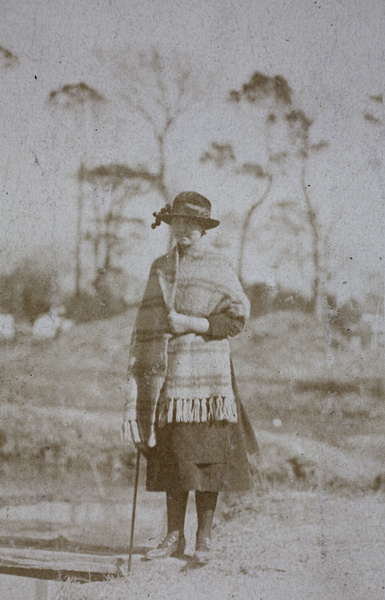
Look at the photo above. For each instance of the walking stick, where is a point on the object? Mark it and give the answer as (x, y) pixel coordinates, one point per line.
(134, 510)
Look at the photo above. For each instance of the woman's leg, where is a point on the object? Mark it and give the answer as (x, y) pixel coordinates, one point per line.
(174, 542)
(205, 505)
(176, 512)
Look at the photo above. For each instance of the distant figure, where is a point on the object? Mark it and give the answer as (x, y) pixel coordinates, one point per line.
(49, 325)
(7, 327)
(183, 402)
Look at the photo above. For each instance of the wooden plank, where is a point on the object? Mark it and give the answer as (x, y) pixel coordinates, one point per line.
(61, 561)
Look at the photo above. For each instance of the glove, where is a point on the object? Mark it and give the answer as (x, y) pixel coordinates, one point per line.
(130, 426)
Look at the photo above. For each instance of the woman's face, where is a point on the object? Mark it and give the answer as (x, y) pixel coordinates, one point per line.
(187, 231)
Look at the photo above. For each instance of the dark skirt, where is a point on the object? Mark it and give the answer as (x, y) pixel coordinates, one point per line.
(199, 456)
(209, 457)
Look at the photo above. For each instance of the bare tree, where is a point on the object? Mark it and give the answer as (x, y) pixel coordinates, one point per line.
(373, 118)
(119, 184)
(158, 91)
(289, 125)
(78, 99)
(223, 154)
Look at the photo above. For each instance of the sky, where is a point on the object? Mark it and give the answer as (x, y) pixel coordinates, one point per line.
(331, 53)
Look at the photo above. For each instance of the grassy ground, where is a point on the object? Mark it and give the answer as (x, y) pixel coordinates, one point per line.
(280, 546)
(319, 410)
(311, 528)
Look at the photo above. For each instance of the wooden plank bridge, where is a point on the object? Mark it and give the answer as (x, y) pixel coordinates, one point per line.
(58, 560)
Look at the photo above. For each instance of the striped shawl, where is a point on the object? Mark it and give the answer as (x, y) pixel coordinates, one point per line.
(185, 378)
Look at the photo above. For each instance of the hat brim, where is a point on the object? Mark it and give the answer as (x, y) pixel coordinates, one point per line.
(206, 222)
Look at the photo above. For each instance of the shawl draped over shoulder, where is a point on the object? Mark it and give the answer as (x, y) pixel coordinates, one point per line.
(186, 378)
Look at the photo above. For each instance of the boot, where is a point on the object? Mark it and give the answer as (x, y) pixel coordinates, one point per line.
(174, 543)
(203, 550)
(205, 505)
(171, 545)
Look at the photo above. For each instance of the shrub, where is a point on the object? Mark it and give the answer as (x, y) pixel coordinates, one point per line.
(105, 301)
(28, 291)
(264, 299)
(88, 306)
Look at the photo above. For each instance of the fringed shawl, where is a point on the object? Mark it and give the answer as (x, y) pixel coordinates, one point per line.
(185, 378)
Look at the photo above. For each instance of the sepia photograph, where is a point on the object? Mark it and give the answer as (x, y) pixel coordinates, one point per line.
(192, 320)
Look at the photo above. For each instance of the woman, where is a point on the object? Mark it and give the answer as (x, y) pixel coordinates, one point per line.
(193, 429)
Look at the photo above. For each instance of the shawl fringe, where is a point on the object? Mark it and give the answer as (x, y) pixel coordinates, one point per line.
(197, 410)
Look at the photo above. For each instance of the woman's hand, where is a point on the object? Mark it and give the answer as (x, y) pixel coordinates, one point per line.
(130, 431)
(129, 425)
(180, 324)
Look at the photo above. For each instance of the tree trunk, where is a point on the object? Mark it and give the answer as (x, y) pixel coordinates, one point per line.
(315, 301)
(79, 237)
(246, 227)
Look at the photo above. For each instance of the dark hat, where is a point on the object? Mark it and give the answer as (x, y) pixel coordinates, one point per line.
(187, 204)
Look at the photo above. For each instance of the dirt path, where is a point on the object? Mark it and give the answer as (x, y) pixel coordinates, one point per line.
(278, 547)
(302, 547)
